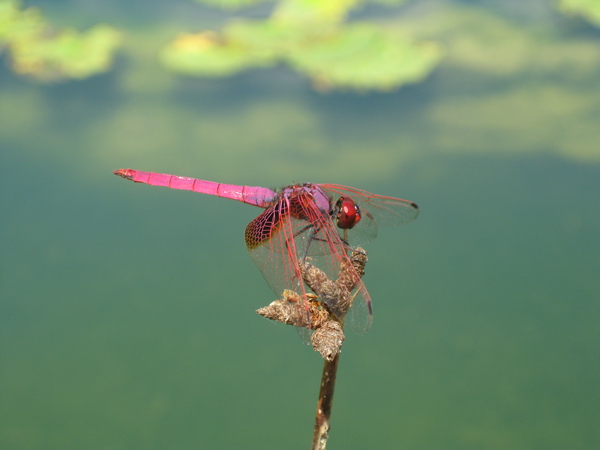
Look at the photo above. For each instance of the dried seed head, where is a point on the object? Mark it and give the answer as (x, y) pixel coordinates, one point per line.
(326, 310)
(328, 339)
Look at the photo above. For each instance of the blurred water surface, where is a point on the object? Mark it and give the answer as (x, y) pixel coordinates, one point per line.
(127, 311)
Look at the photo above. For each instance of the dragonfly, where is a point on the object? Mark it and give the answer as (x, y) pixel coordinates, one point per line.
(320, 223)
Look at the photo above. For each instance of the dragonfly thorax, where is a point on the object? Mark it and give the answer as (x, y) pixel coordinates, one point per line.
(301, 196)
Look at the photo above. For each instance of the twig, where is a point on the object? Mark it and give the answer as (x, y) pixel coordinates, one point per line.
(325, 403)
(326, 313)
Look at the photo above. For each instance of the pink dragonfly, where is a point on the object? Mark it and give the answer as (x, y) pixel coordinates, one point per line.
(302, 222)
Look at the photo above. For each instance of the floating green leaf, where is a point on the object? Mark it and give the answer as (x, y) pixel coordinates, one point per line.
(590, 9)
(313, 38)
(312, 13)
(236, 4)
(18, 25)
(363, 56)
(45, 54)
(207, 54)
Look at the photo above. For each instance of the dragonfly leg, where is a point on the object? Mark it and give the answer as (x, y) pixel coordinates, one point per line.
(313, 234)
(311, 237)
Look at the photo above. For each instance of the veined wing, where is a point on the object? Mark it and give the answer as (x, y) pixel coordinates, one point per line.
(272, 247)
(328, 252)
(296, 229)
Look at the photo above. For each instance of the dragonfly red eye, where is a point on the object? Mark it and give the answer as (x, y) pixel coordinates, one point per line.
(348, 213)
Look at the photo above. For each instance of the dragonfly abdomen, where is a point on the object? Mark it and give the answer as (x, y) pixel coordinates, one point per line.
(257, 196)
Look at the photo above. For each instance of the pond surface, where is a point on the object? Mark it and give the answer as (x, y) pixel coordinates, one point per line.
(127, 311)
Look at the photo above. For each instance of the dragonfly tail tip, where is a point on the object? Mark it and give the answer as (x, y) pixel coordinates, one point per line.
(125, 173)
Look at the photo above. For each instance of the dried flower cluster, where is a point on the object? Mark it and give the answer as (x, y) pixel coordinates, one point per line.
(327, 308)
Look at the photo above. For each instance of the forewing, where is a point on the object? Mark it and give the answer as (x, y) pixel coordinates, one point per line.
(270, 242)
(326, 250)
(277, 240)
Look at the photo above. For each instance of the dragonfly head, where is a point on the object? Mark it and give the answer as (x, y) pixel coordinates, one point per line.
(347, 213)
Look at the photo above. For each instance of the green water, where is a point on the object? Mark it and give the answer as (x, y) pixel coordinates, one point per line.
(127, 311)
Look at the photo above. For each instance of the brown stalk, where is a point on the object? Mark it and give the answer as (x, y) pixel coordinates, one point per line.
(325, 403)
(327, 310)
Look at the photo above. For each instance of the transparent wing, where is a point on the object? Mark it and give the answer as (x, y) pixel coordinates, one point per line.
(270, 242)
(325, 249)
(292, 230)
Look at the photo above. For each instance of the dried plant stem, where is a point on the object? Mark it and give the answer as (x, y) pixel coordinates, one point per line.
(325, 403)
(324, 314)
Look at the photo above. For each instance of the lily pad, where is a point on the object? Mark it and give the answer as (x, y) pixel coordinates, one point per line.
(209, 55)
(68, 54)
(16, 24)
(589, 9)
(38, 51)
(363, 56)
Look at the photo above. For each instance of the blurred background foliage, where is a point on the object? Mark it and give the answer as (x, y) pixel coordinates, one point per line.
(306, 34)
(47, 54)
(588, 9)
(523, 77)
(529, 79)
(311, 36)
